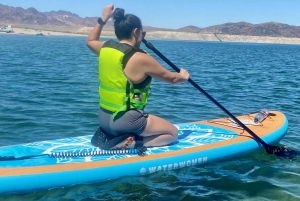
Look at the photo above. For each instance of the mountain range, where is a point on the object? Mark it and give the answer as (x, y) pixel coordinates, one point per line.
(243, 28)
(20, 16)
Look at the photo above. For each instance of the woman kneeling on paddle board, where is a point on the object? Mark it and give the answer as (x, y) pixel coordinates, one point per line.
(125, 73)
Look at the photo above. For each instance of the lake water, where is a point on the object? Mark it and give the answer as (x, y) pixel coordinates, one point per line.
(49, 89)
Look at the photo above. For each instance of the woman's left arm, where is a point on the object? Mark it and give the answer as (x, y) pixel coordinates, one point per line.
(93, 39)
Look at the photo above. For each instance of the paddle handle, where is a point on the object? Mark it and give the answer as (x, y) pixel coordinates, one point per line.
(150, 46)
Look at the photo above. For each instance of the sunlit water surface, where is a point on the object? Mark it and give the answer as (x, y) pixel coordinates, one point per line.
(49, 89)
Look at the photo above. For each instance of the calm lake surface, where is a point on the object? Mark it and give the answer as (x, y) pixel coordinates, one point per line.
(49, 89)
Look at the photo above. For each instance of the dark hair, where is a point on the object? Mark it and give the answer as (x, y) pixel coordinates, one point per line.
(124, 24)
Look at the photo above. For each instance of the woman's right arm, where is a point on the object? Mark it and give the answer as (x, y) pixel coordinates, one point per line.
(147, 65)
(93, 39)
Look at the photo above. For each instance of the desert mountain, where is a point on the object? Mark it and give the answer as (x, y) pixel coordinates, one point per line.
(31, 16)
(265, 29)
(192, 29)
(19, 15)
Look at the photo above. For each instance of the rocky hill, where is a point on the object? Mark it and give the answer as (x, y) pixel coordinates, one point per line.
(72, 19)
(33, 18)
(19, 15)
(273, 29)
(191, 29)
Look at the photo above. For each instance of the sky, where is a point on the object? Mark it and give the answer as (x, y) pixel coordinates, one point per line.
(176, 14)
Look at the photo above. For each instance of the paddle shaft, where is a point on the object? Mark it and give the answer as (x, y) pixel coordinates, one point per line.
(150, 46)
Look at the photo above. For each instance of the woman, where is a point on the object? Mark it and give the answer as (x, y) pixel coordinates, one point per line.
(125, 74)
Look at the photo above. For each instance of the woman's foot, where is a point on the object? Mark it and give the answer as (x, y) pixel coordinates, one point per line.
(128, 143)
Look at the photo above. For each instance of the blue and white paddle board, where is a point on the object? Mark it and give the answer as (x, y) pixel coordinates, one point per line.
(199, 143)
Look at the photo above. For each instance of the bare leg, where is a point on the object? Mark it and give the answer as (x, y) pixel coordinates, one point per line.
(159, 132)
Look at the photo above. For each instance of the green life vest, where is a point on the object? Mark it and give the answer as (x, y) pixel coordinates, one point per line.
(117, 93)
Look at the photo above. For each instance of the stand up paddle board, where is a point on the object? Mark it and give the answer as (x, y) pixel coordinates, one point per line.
(57, 163)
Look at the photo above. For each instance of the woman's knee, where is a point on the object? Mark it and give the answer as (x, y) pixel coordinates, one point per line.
(156, 126)
(174, 132)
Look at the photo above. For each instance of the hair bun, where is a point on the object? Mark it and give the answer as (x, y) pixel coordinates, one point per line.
(118, 15)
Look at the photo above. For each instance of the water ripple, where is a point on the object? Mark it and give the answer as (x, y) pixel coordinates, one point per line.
(49, 89)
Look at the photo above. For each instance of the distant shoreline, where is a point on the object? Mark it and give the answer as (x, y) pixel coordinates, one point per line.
(28, 31)
(168, 35)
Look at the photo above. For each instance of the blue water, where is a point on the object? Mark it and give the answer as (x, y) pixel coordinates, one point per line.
(49, 89)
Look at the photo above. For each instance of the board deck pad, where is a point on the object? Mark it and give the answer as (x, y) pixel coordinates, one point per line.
(189, 135)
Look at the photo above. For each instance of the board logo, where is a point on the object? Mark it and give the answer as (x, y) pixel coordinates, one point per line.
(173, 166)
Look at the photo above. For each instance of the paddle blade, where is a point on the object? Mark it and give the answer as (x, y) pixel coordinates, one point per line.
(282, 152)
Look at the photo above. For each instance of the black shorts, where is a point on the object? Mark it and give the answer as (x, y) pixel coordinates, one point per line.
(132, 121)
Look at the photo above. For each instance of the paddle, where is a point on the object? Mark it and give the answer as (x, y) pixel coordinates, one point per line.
(279, 151)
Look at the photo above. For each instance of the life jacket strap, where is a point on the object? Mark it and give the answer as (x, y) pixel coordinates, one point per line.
(133, 104)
